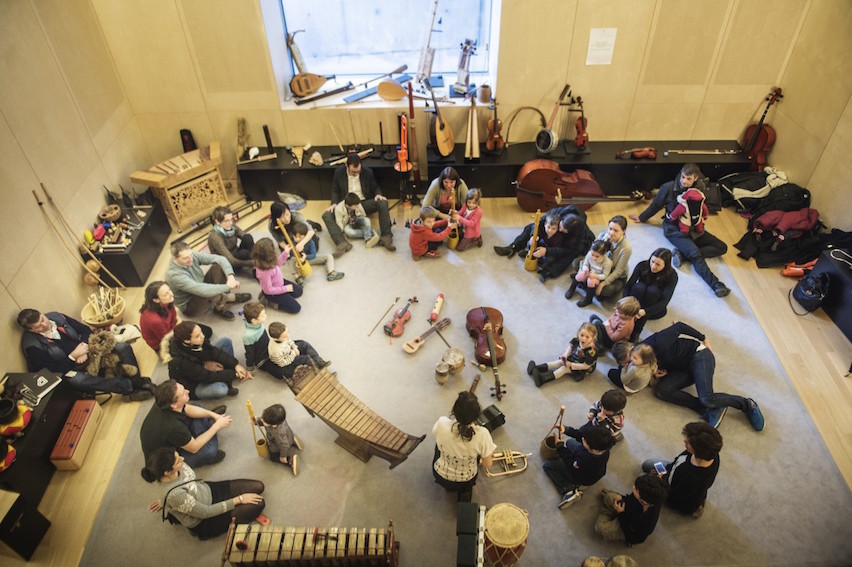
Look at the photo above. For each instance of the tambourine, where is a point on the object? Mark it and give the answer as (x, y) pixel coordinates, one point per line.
(110, 213)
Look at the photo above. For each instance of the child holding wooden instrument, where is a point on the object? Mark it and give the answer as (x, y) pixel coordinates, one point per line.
(350, 216)
(580, 359)
(280, 437)
(469, 219)
(608, 411)
(423, 240)
(300, 233)
(274, 288)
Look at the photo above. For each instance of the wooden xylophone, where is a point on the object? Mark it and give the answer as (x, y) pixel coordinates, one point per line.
(361, 431)
(253, 544)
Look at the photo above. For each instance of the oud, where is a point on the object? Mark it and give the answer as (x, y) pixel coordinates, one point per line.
(304, 83)
(440, 132)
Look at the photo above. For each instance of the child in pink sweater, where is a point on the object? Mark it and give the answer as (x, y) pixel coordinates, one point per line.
(620, 324)
(469, 218)
(423, 240)
(275, 289)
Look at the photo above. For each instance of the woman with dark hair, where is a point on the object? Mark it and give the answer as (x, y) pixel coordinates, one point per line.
(439, 196)
(652, 283)
(203, 369)
(460, 445)
(205, 508)
(158, 317)
(281, 211)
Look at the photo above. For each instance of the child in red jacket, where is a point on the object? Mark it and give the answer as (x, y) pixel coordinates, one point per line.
(423, 240)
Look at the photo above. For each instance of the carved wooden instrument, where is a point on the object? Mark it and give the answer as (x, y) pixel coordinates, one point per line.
(581, 140)
(402, 164)
(453, 238)
(495, 141)
(304, 83)
(424, 69)
(415, 170)
(414, 344)
(475, 384)
(546, 139)
(548, 444)
(462, 85)
(760, 136)
(259, 444)
(440, 133)
(471, 143)
(485, 324)
(396, 326)
(531, 262)
(637, 153)
(303, 266)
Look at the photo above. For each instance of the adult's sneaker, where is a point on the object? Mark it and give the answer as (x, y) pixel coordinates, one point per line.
(677, 258)
(714, 416)
(569, 498)
(334, 276)
(720, 289)
(755, 416)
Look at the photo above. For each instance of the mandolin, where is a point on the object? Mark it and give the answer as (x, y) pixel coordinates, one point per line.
(440, 133)
(411, 346)
(303, 83)
(760, 136)
(494, 142)
(546, 140)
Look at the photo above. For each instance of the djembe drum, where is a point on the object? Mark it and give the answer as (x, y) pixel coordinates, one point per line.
(506, 530)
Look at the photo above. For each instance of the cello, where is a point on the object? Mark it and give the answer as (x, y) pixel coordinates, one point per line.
(485, 325)
(541, 184)
(760, 136)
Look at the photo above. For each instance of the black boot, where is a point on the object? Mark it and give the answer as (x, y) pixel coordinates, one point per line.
(571, 288)
(587, 300)
(542, 377)
(504, 251)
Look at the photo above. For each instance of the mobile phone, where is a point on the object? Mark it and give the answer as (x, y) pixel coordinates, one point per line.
(263, 520)
(660, 468)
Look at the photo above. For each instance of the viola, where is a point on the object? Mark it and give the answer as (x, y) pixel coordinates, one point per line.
(581, 140)
(494, 142)
(395, 327)
(760, 136)
(485, 325)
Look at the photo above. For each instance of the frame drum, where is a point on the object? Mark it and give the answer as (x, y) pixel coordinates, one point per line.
(506, 530)
(454, 359)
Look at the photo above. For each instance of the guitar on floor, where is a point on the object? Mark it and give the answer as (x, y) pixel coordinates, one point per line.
(411, 346)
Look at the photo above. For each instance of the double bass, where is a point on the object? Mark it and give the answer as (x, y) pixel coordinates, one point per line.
(541, 184)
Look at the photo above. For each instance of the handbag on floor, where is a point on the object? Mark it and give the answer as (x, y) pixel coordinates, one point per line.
(809, 292)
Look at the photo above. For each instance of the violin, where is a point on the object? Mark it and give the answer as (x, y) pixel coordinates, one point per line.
(581, 140)
(485, 325)
(494, 142)
(637, 153)
(395, 327)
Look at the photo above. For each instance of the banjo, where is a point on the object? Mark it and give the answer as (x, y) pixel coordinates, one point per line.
(546, 140)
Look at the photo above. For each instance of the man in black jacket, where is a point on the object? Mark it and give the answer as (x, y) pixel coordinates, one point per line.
(359, 179)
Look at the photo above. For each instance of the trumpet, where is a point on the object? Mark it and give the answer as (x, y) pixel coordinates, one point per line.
(304, 267)
(512, 462)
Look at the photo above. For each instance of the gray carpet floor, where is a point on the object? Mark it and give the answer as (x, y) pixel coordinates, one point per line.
(778, 498)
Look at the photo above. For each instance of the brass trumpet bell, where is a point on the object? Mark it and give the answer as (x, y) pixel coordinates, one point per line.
(512, 462)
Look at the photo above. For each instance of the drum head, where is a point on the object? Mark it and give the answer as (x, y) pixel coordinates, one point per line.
(506, 525)
(545, 141)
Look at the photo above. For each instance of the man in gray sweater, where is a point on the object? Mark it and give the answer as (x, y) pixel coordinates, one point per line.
(196, 291)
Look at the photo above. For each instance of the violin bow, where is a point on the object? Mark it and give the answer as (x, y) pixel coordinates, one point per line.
(382, 318)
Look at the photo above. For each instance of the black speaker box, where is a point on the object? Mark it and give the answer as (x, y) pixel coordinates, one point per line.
(491, 418)
(23, 528)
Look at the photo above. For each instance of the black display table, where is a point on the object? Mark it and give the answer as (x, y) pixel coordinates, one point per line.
(133, 265)
(32, 470)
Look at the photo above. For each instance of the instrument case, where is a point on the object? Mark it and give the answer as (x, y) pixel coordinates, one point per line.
(491, 418)
(77, 435)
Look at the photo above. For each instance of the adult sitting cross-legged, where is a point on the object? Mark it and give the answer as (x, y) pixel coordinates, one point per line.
(196, 291)
(203, 369)
(684, 359)
(353, 177)
(60, 344)
(190, 429)
(230, 241)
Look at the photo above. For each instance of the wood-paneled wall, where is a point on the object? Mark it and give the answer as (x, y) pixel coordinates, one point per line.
(95, 89)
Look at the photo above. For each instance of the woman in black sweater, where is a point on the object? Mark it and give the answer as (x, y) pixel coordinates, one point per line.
(652, 283)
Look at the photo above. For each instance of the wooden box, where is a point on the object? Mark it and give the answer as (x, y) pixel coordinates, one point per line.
(77, 435)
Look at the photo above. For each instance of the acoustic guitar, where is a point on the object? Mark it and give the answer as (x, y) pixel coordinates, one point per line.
(440, 133)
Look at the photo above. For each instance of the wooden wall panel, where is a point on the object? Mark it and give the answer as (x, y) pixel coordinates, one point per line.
(684, 40)
(79, 46)
(832, 179)
(127, 153)
(228, 43)
(758, 41)
(149, 45)
(161, 131)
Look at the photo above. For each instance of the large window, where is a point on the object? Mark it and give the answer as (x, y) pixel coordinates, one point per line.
(371, 37)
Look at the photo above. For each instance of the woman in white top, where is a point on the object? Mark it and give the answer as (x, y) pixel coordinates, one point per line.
(460, 445)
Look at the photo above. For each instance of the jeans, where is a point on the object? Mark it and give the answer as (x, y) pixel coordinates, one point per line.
(306, 353)
(695, 250)
(361, 228)
(198, 305)
(286, 302)
(225, 344)
(370, 206)
(700, 374)
(205, 454)
(213, 391)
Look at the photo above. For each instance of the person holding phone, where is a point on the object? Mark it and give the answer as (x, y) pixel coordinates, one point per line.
(693, 472)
